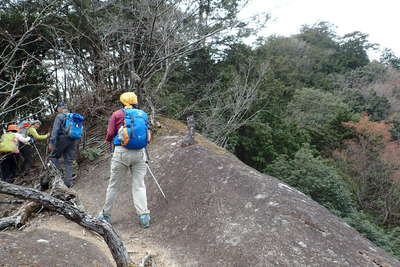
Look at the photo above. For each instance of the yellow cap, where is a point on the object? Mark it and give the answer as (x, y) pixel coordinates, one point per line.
(128, 99)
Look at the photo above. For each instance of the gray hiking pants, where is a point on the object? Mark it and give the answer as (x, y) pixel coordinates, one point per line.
(134, 161)
(65, 147)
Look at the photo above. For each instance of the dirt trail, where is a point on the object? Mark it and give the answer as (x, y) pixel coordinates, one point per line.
(140, 242)
(137, 247)
(91, 188)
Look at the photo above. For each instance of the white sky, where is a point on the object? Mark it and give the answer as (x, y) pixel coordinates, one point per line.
(379, 19)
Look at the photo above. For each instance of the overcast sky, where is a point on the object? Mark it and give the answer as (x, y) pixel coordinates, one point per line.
(378, 18)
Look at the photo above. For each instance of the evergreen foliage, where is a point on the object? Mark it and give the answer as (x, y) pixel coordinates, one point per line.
(311, 175)
(388, 57)
(388, 240)
(258, 144)
(314, 108)
(395, 130)
(321, 114)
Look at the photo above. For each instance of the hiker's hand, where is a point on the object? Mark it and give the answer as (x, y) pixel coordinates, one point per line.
(31, 141)
(51, 147)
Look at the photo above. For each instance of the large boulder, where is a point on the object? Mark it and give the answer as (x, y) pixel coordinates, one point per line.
(223, 213)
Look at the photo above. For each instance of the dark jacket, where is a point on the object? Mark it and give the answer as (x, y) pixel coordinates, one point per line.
(58, 128)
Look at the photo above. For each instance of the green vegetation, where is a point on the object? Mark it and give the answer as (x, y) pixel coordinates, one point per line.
(310, 90)
(92, 153)
(311, 175)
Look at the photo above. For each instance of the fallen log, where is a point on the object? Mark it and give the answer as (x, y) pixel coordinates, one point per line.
(71, 212)
(8, 222)
(50, 176)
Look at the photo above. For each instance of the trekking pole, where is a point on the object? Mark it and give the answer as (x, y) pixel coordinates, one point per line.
(155, 180)
(152, 175)
(40, 157)
(47, 149)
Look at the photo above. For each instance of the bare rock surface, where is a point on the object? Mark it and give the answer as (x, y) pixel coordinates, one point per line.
(44, 247)
(221, 212)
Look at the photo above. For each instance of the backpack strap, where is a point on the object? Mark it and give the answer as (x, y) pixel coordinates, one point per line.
(27, 131)
(63, 130)
(132, 119)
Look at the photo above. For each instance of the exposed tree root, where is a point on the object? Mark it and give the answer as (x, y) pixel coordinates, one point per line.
(147, 261)
(64, 201)
(20, 217)
(11, 201)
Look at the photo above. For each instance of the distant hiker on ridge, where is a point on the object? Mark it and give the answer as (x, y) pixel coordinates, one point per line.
(129, 132)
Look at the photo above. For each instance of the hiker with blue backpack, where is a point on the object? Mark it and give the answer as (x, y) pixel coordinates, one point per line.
(67, 130)
(128, 131)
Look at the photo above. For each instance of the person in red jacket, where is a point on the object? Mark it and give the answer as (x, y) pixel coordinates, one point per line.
(127, 159)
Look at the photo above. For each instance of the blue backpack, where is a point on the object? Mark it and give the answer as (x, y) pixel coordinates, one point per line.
(133, 134)
(73, 125)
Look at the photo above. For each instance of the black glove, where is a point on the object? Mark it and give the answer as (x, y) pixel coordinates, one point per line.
(32, 141)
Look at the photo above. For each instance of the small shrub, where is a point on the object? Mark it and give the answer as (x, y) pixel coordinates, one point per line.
(364, 225)
(91, 153)
(395, 130)
(311, 175)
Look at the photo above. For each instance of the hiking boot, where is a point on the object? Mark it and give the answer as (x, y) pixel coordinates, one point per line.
(144, 220)
(104, 217)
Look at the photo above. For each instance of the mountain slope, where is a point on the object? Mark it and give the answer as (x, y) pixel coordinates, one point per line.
(221, 212)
